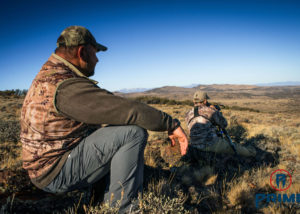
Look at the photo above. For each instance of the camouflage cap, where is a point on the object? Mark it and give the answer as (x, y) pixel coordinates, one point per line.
(200, 96)
(78, 35)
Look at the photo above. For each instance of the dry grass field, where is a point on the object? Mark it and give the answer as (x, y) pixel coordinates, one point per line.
(215, 184)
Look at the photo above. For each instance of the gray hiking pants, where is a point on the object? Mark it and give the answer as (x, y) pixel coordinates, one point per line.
(118, 150)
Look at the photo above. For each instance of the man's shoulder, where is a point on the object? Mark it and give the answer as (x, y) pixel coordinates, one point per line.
(54, 71)
(211, 108)
(189, 114)
(190, 111)
(54, 65)
(78, 82)
(205, 108)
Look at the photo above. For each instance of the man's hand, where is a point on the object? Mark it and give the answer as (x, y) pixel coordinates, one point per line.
(181, 136)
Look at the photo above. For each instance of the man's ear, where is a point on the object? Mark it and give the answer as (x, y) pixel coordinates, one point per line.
(82, 53)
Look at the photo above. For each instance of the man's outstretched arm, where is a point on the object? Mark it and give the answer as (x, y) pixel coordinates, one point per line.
(83, 101)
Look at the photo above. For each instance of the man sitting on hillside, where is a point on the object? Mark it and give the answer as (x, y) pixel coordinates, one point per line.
(204, 122)
(64, 147)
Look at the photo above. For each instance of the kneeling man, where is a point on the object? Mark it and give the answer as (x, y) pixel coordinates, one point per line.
(203, 122)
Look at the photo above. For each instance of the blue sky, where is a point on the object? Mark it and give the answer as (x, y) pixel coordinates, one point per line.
(157, 43)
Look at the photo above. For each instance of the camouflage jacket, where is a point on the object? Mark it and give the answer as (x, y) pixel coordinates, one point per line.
(202, 128)
(47, 136)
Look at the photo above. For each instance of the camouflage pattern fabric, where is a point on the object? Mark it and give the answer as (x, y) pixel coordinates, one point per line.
(202, 129)
(47, 135)
(78, 35)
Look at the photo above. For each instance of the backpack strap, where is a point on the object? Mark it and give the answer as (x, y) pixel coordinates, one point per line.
(196, 114)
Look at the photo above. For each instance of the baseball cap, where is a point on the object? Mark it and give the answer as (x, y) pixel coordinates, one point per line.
(200, 96)
(78, 35)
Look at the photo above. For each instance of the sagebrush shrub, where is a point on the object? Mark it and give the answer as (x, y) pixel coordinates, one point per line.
(9, 131)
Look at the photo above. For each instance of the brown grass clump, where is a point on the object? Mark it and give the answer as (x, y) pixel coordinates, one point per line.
(240, 195)
(9, 131)
(211, 180)
(10, 156)
(161, 198)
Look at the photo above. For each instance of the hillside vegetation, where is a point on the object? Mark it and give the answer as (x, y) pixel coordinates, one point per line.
(266, 99)
(264, 117)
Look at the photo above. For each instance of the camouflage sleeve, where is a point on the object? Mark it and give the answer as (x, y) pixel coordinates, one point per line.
(219, 120)
(188, 116)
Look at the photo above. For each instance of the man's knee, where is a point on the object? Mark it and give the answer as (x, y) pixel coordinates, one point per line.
(138, 132)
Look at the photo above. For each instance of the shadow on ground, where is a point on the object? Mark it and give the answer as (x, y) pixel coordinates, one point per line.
(202, 181)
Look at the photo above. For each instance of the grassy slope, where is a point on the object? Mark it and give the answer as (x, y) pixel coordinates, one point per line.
(221, 187)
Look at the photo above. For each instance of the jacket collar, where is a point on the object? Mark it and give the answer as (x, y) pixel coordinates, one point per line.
(72, 67)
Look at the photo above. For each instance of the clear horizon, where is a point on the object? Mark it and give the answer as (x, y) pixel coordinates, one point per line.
(154, 43)
(288, 83)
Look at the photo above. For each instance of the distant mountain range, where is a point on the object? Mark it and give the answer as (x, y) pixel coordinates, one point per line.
(140, 90)
(133, 90)
(290, 83)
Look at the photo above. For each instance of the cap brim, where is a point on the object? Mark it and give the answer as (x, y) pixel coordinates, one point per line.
(100, 47)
